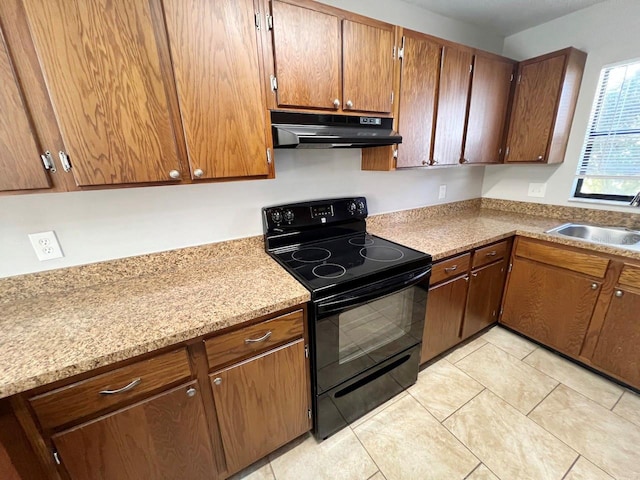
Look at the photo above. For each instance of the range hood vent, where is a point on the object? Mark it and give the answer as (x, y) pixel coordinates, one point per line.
(310, 130)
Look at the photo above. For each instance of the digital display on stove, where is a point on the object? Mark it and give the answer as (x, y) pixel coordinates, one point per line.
(322, 211)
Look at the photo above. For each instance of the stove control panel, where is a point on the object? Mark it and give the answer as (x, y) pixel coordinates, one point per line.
(315, 213)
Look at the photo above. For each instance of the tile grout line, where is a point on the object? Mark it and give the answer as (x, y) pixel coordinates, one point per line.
(273, 472)
(368, 453)
(544, 398)
(474, 350)
(572, 465)
(457, 409)
(618, 401)
(471, 472)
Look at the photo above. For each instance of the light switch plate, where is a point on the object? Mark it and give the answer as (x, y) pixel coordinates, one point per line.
(442, 193)
(46, 245)
(537, 190)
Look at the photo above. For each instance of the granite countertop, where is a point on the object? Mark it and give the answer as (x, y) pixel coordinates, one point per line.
(58, 324)
(53, 336)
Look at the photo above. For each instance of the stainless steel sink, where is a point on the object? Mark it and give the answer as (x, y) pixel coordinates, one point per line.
(619, 237)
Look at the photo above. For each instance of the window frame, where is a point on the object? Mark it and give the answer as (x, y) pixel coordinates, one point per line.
(577, 189)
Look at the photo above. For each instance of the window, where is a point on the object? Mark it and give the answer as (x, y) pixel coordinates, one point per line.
(610, 165)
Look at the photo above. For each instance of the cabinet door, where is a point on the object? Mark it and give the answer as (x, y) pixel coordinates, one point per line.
(483, 301)
(262, 404)
(445, 308)
(102, 67)
(20, 162)
(306, 47)
(490, 90)
(220, 91)
(452, 105)
(534, 108)
(551, 305)
(617, 350)
(418, 88)
(165, 436)
(367, 59)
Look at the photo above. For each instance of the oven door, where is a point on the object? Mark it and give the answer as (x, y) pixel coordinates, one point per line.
(359, 329)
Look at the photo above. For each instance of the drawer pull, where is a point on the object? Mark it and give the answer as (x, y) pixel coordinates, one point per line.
(474, 275)
(126, 388)
(492, 253)
(451, 269)
(257, 340)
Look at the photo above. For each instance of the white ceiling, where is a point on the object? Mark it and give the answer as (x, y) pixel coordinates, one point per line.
(504, 17)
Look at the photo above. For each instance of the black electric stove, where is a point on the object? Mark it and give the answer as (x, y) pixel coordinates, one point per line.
(367, 309)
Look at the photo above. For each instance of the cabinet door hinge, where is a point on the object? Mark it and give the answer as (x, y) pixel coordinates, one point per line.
(269, 156)
(306, 351)
(519, 78)
(500, 314)
(56, 457)
(269, 19)
(392, 98)
(274, 83)
(401, 50)
(511, 79)
(510, 268)
(64, 160)
(47, 161)
(506, 152)
(257, 19)
(309, 413)
(470, 67)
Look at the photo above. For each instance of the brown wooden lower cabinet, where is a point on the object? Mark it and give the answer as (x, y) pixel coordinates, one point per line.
(483, 302)
(165, 436)
(262, 403)
(618, 347)
(445, 309)
(549, 304)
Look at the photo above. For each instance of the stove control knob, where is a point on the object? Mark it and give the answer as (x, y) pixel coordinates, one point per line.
(360, 205)
(352, 207)
(276, 216)
(288, 216)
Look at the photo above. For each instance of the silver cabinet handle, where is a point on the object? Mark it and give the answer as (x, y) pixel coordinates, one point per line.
(474, 275)
(191, 392)
(619, 293)
(540, 157)
(126, 388)
(424, 162)
(434, 162)
(217, 381)
(451, 269)
(349, 104)
(594, 286)
(336, 103)
(198, 172)
(492, 253)
(175, 174)
(256, 340)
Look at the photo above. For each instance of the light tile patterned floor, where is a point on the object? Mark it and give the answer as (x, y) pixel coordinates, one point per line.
(499, 407)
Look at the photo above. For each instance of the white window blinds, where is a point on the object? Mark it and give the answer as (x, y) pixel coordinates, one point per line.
(612, 144)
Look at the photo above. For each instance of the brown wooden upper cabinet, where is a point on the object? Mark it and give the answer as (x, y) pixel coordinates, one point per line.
(20, 163)
(455, 79)
(107, 82)
(328, 59)
(220, 90)
(544, 103)
(418, 96)
(491, 82)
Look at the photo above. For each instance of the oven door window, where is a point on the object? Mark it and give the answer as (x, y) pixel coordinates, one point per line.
(352, 340)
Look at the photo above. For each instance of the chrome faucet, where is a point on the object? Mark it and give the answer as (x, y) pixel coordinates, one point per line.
(636, 200)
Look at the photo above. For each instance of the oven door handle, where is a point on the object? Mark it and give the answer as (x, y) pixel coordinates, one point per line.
(377, 290)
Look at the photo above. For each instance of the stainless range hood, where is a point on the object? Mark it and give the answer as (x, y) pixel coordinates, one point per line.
(310, 130)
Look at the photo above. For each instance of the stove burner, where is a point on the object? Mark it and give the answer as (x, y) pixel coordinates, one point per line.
(361, 241)
(311, 255)
(329, 270)
(382, 254)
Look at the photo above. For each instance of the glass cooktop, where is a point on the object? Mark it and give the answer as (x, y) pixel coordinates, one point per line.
(322, 264)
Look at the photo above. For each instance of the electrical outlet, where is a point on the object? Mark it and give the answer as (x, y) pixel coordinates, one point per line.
(442, 193)
(46, 245)
(537, 190)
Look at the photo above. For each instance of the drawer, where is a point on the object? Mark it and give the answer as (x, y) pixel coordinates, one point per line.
(96, 394)
(248, 341)
(563, 258)
(630, 276)
(486, 255)
(450, 268)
